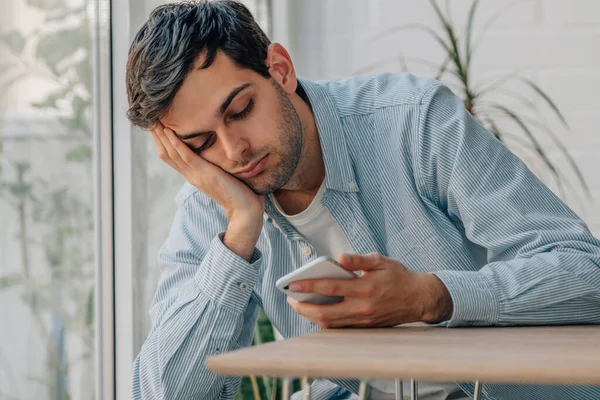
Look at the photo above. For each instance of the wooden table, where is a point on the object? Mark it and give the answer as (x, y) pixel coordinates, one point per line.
(542, 355)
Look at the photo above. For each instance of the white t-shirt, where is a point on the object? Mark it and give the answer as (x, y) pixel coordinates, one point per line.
(319, 228)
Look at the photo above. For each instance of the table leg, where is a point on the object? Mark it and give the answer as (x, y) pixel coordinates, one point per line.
(286, 389)
(399, 390)
(414, 392)
(477, 395)
(362, 391)
(306, 387)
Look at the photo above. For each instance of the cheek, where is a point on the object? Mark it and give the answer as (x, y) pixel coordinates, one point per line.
(214, 156)
(265, 124)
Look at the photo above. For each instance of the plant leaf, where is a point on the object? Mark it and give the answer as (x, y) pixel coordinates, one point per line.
(439, 13)
(15, 41)
(5, 67)
(484, 116)
(52, 98)
(490, 21)
(494, 128)
(556, 140)
(403, 61)
(274, 389)
(89, 309)
(469, 31)
(496, 84)
(20, 190)
(8, 281)
(443, 67)
(517, 96)
(47, 4)
(454, 52)
(255, 389)
(419, 27)
(80, 153)
(536, 146)
(84, 74)
(548, 101)
(60, 45)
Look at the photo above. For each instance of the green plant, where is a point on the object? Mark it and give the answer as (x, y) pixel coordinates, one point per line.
(526, 120)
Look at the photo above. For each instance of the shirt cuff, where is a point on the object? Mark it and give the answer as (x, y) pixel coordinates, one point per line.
(227, 278)
(474, 300)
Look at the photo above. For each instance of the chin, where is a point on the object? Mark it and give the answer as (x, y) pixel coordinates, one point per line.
(261, 189)
(264, 185)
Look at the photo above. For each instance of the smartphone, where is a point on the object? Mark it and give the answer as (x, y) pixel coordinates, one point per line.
(321, 268)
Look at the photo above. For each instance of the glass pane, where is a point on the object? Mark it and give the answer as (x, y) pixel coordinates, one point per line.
(47, 245)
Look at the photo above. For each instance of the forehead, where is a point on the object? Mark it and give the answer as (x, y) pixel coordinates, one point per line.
(204, 90)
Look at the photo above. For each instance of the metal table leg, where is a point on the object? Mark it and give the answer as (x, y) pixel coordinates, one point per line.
(399, 390)
(362, 391)
(306, 382)
(477, 395)
(414, 389)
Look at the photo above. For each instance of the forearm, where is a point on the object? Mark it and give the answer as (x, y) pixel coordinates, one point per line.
(212, 312)
(557, 287)
(543, 263)
(171, 364)
(242, 233)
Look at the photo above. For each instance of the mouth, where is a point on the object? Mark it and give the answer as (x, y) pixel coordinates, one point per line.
(253, 169)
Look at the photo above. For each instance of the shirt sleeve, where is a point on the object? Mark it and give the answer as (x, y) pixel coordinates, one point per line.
(543, 262)
(203, 306)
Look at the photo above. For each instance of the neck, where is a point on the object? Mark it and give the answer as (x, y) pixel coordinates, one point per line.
(298, 193)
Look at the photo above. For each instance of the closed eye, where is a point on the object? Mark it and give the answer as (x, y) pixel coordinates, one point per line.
(205, 145)
(244, 112)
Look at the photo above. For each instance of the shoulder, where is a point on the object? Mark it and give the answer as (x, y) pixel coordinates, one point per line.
(366, 94)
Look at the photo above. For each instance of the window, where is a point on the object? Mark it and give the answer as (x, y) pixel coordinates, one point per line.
(48, 235)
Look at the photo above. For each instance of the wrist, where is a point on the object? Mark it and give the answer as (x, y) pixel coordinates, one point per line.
(242, 234)
(437, 306)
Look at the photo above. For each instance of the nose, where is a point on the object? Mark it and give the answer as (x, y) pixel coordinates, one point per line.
(235, 147)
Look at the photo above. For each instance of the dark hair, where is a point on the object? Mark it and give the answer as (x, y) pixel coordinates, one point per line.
(167, 46)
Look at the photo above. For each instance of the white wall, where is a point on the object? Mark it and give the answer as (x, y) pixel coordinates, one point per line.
(552, 42)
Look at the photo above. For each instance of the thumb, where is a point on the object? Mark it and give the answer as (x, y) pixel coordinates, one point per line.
(359, 262)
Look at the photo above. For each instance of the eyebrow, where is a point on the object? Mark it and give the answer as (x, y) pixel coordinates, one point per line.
(221, 110)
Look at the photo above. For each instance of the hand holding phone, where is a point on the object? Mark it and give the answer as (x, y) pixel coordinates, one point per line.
(321, 268)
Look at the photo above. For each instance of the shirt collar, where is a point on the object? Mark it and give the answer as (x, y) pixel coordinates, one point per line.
(339, 174)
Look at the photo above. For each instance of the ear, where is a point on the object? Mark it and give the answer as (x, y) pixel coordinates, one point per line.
(281, 67)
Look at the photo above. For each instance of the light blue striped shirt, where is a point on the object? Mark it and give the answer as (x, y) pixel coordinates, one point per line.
(409, 174)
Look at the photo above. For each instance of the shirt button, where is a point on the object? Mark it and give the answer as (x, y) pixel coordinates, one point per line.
(306, 250)
(243, 286)
(351, 185)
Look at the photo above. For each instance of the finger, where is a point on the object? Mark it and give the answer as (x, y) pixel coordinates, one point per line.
(185, 154)
(359, 262)
(350, 312)
(165, 135)
(322, 314)
(160, 148)
(166, 151)
(352, 322)
(358, 287)
(162, 152)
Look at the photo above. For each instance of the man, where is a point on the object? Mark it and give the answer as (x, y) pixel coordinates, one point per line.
(389, 174)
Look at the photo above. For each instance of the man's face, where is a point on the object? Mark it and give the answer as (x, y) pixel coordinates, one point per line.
(240, 121)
